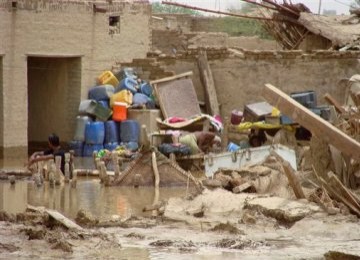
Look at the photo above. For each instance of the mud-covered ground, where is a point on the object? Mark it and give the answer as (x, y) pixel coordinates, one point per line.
(228, 228)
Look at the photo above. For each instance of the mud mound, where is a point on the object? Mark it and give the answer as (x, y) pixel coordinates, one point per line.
(8, 247)
(84, 219)
(227, 227)
(334, 255)
(63, 245)
(34, 233)
(238, 244)
(135, 235)
(173, 243)
(4, 216)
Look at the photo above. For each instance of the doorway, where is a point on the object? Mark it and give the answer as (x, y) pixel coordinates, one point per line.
(54, 89)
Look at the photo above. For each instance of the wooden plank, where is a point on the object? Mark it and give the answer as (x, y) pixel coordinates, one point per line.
(63, 220)
(334, 102)
(311, 121)
(336, 184)
(335, 195)
(182, 75)
(290, 174)
(55, 215)
(207, 81)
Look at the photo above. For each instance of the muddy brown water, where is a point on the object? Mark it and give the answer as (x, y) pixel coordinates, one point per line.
(307, 239)
(104, 202)
(90, 195)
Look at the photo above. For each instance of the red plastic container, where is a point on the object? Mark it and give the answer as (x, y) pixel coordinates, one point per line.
(119, 111)
(236, 117)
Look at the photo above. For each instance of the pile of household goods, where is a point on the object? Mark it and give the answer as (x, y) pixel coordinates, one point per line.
(313, 153)
(103, 121)
(260, 119)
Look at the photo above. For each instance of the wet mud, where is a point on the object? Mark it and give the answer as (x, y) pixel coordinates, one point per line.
(226, 230)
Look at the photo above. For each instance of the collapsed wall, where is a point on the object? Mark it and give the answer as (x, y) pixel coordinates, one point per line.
(178, 32)
(240, 75)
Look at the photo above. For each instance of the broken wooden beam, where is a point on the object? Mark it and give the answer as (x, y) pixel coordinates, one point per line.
(207, 81)
(346, 193)
(182, 75)
(332, 101)
(290, 174)
(224, 13)
(311, 121)
(57, 216)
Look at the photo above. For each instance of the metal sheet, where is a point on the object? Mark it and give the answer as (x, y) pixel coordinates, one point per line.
(246, 157)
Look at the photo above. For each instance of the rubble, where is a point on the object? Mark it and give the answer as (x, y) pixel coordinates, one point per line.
(282, 209)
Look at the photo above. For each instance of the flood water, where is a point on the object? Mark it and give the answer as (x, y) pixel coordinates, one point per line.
(90, 195)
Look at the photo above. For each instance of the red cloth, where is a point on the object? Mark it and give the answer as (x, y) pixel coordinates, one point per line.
(176, 120)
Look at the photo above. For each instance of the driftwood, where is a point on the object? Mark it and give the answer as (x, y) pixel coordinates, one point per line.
(311, 121)
(290, 174)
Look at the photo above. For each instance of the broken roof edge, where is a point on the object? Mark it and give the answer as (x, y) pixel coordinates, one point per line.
(331, 28)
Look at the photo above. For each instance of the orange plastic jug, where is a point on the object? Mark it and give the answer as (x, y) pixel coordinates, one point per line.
(119, 111)
(108, 78)
(124, 96)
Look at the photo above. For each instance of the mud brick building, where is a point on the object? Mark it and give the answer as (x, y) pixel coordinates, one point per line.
(51, 51)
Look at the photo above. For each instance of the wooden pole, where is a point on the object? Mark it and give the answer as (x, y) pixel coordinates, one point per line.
(157, 182)
(207, 80)
(259, 4)
(115, 161)
(145, 137)
(52, 173)
(67, 167)
(225, 134)
(58, 175)
(318, 126)
(230, 14)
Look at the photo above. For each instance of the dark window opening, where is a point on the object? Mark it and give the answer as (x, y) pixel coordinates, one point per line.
(114, 24)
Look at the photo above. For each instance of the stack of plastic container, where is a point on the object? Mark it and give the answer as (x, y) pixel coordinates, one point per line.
(102, 120)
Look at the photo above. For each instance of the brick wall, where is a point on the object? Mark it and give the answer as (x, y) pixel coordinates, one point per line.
(63, 29)
(181, 22)
(239, 77)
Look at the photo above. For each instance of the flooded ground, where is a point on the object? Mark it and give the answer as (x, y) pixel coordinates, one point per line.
(163, 238)
(90, 195)
(265, 238)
